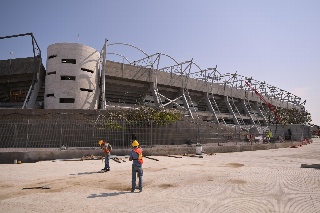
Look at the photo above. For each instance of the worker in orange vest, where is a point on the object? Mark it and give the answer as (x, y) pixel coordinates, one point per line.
(137, 161)
(106, 147)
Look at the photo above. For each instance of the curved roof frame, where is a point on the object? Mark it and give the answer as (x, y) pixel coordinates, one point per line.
(210, 75)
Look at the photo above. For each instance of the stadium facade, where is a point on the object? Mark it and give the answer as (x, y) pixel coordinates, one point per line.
(78, 77)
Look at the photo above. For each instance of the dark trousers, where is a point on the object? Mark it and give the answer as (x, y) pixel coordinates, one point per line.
(106, 162)
(137, 170)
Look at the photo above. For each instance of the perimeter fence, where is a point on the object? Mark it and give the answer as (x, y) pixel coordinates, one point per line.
(55, 132)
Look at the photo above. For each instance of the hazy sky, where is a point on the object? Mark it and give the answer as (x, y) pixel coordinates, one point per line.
(277, 41)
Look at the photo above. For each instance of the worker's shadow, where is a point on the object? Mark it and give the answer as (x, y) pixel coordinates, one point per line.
(107, 194)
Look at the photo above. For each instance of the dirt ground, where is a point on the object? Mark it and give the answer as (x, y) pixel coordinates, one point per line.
(253, 181)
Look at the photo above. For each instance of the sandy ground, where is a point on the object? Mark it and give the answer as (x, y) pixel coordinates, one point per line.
(253, 181)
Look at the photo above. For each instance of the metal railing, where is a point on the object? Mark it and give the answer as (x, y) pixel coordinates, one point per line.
(39, 133)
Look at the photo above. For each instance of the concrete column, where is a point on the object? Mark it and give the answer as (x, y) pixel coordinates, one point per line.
(72, 77)
(243, 103)
(235, 120)
(154, 91)
(260, 112)
(211, 109)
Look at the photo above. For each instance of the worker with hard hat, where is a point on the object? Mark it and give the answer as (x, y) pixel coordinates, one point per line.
(106, 147)
(137, 161)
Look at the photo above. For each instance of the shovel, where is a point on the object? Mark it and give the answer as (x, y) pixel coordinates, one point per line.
(38, 187)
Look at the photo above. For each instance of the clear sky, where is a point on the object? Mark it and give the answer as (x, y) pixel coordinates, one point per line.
(277, 41)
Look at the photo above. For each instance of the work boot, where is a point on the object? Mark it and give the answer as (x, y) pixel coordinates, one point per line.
(140, 190)
(107, 169)
(132, 190)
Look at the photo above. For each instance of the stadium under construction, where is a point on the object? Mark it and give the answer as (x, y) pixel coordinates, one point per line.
(80, 81)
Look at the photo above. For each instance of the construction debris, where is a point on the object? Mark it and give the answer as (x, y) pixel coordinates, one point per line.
(198, 156)
(116, 159)
(91, 157)
(73, 159)
(37, 187)
(151, 158)
(211, 154)
(297, 146)
(123, 160)
(315, 166)
(174, 156)
(192, 155)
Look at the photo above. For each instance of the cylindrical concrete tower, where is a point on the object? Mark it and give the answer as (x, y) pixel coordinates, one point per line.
(72, 78)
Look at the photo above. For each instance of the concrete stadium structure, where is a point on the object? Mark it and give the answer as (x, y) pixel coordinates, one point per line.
(62, 104)
(80, 77)
(202, 94)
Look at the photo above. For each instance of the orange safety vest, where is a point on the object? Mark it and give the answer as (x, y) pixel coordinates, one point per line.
(105, 149)
(139, 152)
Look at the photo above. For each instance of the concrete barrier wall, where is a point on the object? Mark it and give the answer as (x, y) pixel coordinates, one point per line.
(34, 156)
(298, 131)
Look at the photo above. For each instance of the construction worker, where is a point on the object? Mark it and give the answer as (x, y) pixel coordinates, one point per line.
(290, 134)
(248, 138)
(106, 147)
(137, 161)
(267, 136)
(270, 135)
(252, 138)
